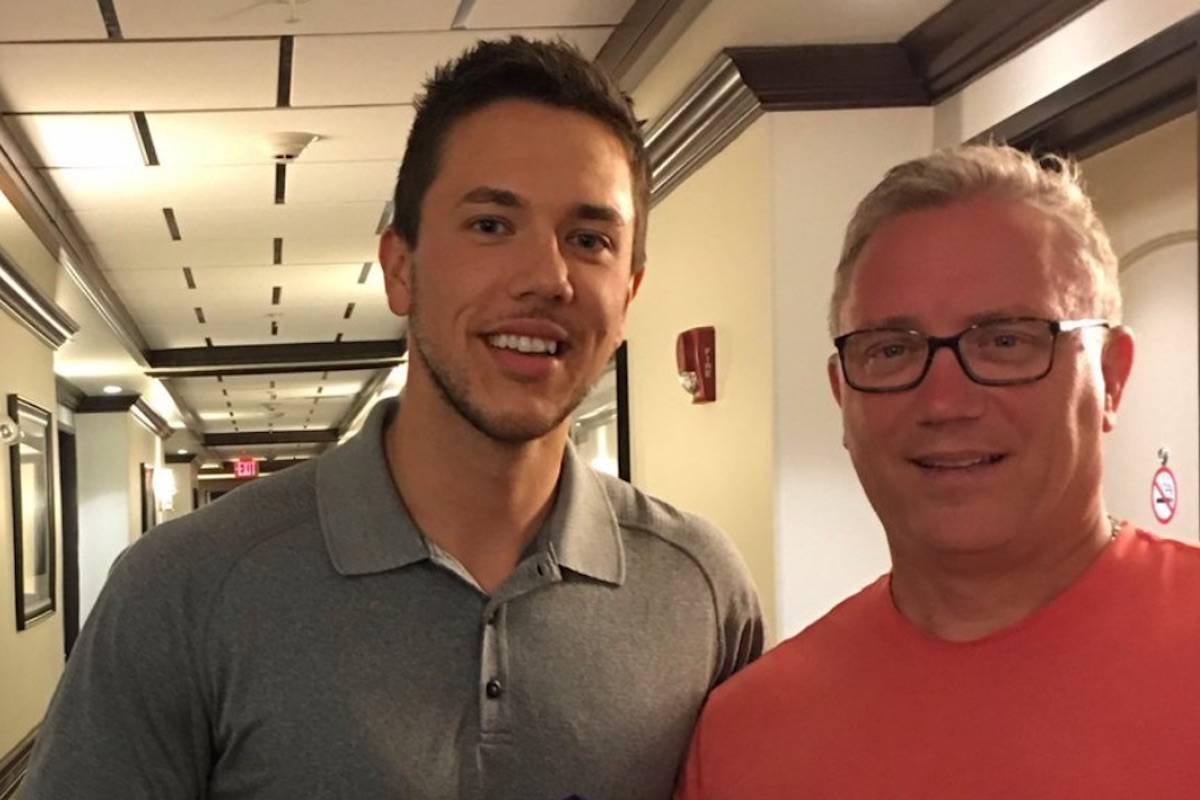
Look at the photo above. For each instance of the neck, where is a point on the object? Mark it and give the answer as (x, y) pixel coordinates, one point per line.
(966, 596)
(481, 500)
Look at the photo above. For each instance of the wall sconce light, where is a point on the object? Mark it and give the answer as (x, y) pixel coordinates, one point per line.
(696, 359)
(164, 488)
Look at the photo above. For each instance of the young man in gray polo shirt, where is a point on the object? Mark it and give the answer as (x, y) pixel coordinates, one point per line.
(453, 605)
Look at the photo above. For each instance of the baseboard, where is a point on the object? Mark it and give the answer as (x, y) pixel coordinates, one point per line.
(14, 764)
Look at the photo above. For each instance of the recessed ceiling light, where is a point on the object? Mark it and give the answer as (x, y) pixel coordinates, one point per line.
(110, 389)
(181, 452)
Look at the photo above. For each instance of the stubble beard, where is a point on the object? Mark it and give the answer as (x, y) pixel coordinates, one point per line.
(453, 386)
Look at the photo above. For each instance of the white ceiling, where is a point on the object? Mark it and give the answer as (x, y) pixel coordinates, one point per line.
(205, 75)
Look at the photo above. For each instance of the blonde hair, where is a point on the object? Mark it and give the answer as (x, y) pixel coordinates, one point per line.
(1050, 184)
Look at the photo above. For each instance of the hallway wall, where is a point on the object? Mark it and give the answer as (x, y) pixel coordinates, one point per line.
(710, 264)
(30, 660)
(111, 448)
(1145, 191)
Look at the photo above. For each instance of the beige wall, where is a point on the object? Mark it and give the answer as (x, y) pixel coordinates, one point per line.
(830, 543)
(1145, 191)
(110, 449)
(30, 660)
(709, 264)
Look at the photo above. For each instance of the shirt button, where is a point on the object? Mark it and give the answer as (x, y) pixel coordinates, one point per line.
(494, 689)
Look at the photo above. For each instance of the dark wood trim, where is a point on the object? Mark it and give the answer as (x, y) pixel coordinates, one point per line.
(267, 467)
(15, 405)
(644, 35)
(179, 458)
(68, 481)
(283, 370)
(809, 77)
(967, 38)
(950, 49)
(301, 357)
(106, 404)
(246, 438)
(624, 453)
(14, 763)
(40, 315)
(67, 394)
(1147, 85)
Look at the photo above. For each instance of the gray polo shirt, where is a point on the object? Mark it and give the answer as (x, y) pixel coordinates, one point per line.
(301, 638)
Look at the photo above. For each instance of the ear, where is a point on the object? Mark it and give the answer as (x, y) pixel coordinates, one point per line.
(1116, 362)
(834, 369)
(635, 283)
(396, 258)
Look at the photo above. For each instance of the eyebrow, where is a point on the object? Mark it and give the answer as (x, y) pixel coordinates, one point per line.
(912, 323)
(490, 195)
(599, 213)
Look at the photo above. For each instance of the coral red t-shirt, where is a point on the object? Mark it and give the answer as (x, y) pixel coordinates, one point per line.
(1096, 695)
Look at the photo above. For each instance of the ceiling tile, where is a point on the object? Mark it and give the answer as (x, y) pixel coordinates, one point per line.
(341, 182)
(79, 140)
(390, 68)
(154, 253)
(51, 19)
(210, 18)
(139, 76)
(546, 13)
(115, 225)
(240, 137)
(156, 188)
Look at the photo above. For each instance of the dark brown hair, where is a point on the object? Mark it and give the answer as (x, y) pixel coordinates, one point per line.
(554, 73)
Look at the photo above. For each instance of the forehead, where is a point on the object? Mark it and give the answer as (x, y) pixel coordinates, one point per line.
(945, 267)
(537, 149)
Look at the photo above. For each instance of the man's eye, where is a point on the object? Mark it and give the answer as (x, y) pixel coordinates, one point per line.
(489, 225)
(592, 241)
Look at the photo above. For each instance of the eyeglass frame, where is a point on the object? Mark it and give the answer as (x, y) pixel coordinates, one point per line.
(935, 343)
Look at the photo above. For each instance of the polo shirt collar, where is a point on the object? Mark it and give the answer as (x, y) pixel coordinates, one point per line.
(581, 532)
(366, 525)
(368, 529)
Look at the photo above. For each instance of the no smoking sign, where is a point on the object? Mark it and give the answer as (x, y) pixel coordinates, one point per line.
(1164, 495)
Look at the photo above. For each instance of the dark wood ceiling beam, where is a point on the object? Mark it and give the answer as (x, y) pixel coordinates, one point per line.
(960, 43)
(1149, 84)
(969, 37)
(276, 358)
(819, 77)
(249, 438)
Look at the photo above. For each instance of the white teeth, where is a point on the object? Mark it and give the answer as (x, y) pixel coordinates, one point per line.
(523, 344)
(959, 464)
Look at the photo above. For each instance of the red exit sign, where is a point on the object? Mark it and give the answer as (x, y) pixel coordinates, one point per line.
(245, 468)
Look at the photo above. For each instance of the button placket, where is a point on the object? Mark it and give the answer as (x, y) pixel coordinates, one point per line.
(493, 709)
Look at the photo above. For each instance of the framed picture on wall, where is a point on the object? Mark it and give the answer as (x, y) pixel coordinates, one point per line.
(149, 509)
(30, 459)
(600, 428)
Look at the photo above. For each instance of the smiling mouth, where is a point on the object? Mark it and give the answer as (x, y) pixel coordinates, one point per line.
(947, 464)
(527, 345)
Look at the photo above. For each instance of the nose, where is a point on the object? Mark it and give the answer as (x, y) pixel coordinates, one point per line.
(948, 394)
(543, 272)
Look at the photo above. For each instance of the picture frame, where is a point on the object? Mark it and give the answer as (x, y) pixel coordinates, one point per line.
(31, 460)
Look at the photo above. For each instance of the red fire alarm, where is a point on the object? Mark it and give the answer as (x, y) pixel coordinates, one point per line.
(696, 358)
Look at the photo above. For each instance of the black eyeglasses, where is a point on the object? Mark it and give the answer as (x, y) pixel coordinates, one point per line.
(1001, 352)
